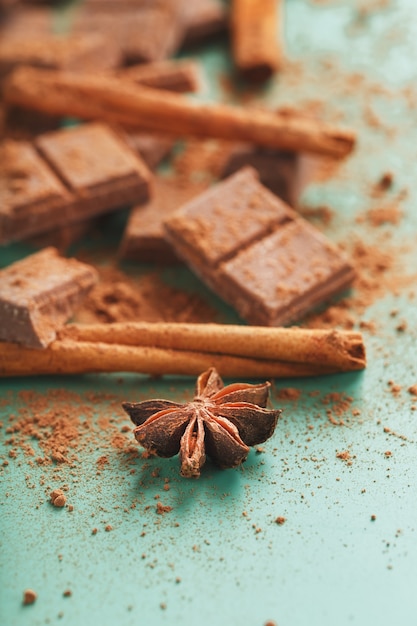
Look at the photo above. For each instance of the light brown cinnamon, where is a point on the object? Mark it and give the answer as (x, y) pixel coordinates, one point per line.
(117, 101)
(163, 348)
(255, 37)
(335, 349)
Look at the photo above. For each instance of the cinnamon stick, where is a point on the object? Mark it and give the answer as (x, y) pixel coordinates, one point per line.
(66, 356)
(334, 349)
(255, 43)
(117, 101)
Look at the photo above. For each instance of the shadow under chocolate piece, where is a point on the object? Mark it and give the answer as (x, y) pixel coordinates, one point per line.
(64, 177)
(144, 237)
(256, 253)
(39, 294)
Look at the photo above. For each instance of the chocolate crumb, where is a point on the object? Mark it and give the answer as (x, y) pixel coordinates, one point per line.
(58, 498)
(108, 528)
(373, 518)
(161, 509)
(67, 593)
(280, 520)
(29, 596)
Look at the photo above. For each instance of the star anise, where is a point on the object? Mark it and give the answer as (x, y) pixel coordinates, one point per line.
(221, 422)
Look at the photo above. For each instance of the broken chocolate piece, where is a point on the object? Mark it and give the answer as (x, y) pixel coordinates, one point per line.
(180, 76)
(31, 196)
(89, 52)
(97, 166)
(204, 19)
(256, 253)
(153, 148)
(277, 170)
(149, 33)
(144, 239)
(86, 171)
(38, 295)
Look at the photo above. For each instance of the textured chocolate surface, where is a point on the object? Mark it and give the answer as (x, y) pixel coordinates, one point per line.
(256, 253)
(150, 33)
(277, 170)
(39, 294)
(179, 76)
(67, 176)
(97, 166)
(144, 237)
(204, 19)
(153, 148)
(85, 51)
(30, 193)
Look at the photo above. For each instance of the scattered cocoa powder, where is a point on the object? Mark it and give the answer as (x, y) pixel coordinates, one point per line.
(288, 393)
(280, 520)
(413, 390)
(120, 298)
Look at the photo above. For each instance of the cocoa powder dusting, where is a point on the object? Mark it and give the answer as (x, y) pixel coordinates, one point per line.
(120, 298)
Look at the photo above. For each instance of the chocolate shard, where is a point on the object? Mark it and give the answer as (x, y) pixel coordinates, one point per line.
(256, 253)
(32, 198)
(146, 33)
(277, 170)
(39, 294)
(144, 238)
(64, 177)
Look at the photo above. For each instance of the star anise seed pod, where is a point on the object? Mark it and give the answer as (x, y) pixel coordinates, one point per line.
(221, 422)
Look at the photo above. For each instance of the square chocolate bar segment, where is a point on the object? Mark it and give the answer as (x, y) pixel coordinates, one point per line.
(257, 253)
(30, 193)
(38, 295)
(97, 166)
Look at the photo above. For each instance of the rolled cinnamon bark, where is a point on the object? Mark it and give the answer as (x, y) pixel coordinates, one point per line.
(115, 100)
(78, 357)
(255, 41)
(331, 349)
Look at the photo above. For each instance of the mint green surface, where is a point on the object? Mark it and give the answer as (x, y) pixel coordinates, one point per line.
(329, 563)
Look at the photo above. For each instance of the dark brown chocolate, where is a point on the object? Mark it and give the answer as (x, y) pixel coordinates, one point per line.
(277, 170)
(39, 294)
(204, 19)
(256, 252)
(153, 148)
(85, 171)
(144, 239)
(149, 33)
(179, 75)
(97, 166)
(30, 194)
(85, 51)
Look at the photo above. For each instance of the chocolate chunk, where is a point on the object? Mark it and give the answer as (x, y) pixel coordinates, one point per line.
(153, 148)
(179, 75)
(204, 19)
(257, 253)
(144, 238)
(38, 295)
(89, 52)
(277, 170)
(150, 33)
(97, 166)
(31, 196)
(86, 171)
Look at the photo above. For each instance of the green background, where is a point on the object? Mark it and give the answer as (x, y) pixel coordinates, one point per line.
(329, 563)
